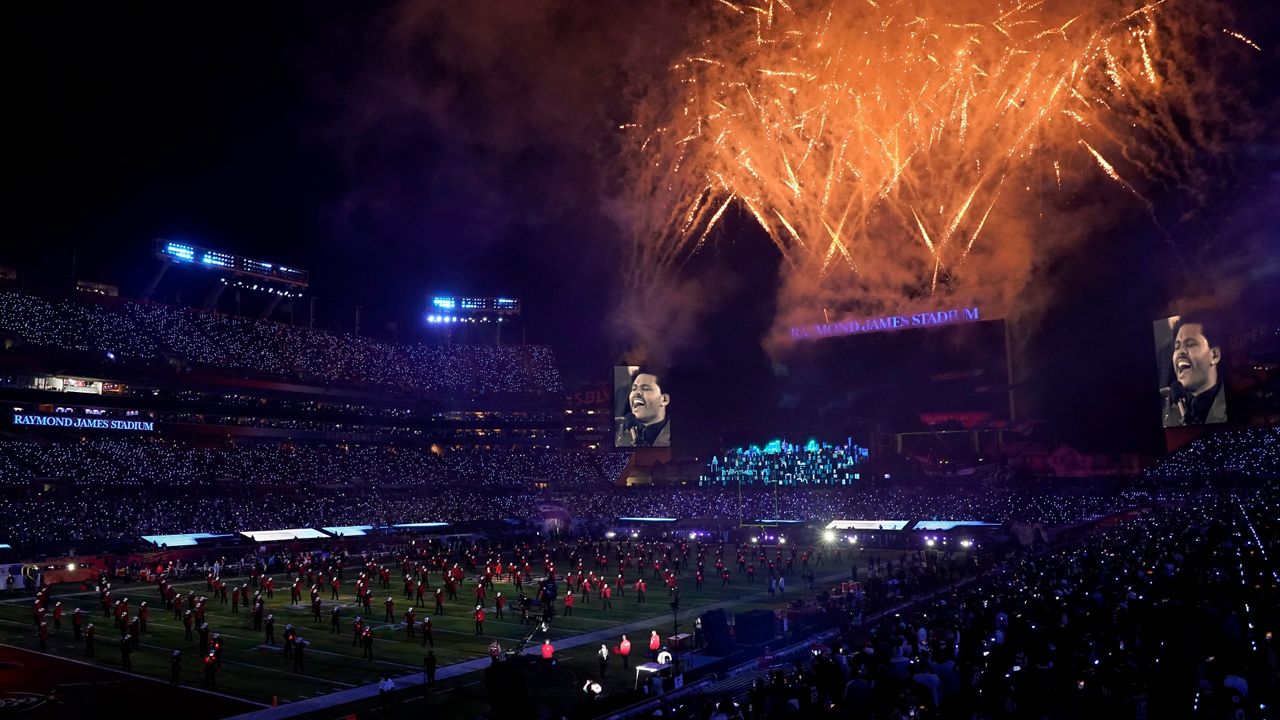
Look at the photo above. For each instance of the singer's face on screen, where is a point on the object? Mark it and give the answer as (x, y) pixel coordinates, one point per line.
(1195, 362)
(648, 402)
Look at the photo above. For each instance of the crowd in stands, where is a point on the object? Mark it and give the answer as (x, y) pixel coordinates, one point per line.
(151, 332)
(1244, 451)
(166, 465)
(335, 408)
(787, 464)
(104, 489)
(102, 513)
(867, 502)
(1170, 614)
(261, 486)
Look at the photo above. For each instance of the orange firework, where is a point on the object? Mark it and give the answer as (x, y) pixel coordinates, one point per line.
(883, 134)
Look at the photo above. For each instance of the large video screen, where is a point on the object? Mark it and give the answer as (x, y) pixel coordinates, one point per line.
(1189, 359)
(941, 378)
(1216, 366)
(641, 407)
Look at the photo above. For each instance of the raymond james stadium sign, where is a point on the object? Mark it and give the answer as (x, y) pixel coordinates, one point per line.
(886, 323)
(82, 423)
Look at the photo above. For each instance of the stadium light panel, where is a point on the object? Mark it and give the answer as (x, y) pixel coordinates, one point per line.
(180, 539)
(217, 259)
(180, 252)
(421, 525)
(348, 530)
(867, 524)
(945, 525)
(289, 534)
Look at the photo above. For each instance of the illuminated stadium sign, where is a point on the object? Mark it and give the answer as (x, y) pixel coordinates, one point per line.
(887, 323)
(82, 423)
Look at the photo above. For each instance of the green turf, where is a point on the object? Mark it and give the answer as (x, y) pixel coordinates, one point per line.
(258, 672)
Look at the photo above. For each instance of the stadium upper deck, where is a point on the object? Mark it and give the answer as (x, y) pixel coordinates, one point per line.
(97, 334)
(192, 372)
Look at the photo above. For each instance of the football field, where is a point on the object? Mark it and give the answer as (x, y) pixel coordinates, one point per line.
(256, 671)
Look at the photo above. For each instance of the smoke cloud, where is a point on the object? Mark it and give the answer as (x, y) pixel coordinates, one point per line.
(915, 155)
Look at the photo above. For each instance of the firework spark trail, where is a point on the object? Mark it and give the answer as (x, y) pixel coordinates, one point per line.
(1242, 39)
(830, 123)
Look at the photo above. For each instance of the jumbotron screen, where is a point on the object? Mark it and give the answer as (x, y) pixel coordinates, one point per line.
(641, 407)
(1218, 365)
(948, 377)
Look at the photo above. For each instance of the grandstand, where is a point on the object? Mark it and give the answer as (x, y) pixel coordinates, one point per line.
(1236, 453)
(323, 327)
(200, 374)
(93, 331)
(148, 444)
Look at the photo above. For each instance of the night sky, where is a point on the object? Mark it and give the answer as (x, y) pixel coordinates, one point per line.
(400, 150)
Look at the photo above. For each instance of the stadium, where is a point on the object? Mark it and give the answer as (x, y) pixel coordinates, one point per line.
(419, 378)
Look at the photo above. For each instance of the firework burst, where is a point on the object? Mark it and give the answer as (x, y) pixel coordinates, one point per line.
(878, 142)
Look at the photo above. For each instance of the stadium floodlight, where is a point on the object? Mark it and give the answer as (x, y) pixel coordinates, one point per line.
(182, 253)
(829, 536)
(451, 309)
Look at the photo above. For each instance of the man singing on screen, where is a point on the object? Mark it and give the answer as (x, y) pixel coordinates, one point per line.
(1196, 396)
(646, 424)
